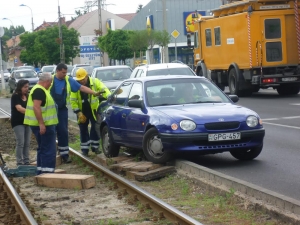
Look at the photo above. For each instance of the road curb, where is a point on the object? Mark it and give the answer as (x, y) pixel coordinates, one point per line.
(286, 207)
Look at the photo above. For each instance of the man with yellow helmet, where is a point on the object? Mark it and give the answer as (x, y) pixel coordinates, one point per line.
(85, 106)
(61, 88)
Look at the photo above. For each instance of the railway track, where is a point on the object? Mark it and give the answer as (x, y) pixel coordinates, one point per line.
(12, 204)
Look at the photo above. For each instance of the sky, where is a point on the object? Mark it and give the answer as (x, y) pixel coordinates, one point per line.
(47, 10)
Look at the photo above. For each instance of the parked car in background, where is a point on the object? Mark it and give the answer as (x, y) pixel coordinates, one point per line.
(69, 71)
(162, 69)
(112, 76)
(26, 74)
(6, 75)
(26, 67)
(163, 115)
(87, 67)
(49, 69)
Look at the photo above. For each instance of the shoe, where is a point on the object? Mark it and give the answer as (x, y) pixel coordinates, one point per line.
(26, 164)
(97, 152)
(67, 160)
(20, 164)
(85, 154)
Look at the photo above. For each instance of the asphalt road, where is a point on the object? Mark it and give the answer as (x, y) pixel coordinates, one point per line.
(277, 167)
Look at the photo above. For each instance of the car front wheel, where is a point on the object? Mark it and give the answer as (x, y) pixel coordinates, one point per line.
(246, 154)
(110, 149)
(153, 147)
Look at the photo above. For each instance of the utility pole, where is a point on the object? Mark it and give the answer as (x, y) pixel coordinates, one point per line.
(165, 21)
(61, 45)
(100, 30)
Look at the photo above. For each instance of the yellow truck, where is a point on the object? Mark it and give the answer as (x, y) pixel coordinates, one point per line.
(250, 44)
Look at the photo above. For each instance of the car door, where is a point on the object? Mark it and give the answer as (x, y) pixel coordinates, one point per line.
(12, 81)
(117, 107)
(135, 118)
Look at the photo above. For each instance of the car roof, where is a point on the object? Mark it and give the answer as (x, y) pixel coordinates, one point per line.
(164, 77)
(111, 67)
(163, 66)
(49, 66)
(19, 70)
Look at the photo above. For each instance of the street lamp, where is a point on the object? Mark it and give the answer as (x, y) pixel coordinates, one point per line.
(31, 16)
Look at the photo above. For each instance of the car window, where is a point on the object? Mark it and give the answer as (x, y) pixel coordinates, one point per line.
(136, 92)
(89, 70)
(48, 69)
(113, 74)
(120, 95)
(171, 71)
(183, 91)
(25, 74)
(70, 68)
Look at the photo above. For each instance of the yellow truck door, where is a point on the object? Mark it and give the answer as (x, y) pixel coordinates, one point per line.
(271, 49)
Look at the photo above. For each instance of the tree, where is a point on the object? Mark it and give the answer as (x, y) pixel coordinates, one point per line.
(139, 8)
(44, 46)
(162, 39)
(78, 13)
(137, 42)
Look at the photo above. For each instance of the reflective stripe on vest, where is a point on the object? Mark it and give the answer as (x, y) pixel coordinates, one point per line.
(49, 113)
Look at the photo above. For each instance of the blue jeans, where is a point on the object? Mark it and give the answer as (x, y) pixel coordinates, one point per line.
(22, 134)
(46, 151)
(87, 138)
(62, 133)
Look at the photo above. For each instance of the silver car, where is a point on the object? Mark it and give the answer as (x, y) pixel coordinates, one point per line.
(25, 74)
(6, 74)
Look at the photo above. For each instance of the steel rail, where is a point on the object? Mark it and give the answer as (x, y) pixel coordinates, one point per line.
(4, 112)
(21, 208)
(138, 193)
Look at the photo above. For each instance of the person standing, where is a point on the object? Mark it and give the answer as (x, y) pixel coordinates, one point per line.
(61, 88)
(41, 116)
(22, 131)
(85, 106)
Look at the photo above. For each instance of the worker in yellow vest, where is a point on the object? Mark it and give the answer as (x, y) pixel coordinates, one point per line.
(85, 106)
(41, 116)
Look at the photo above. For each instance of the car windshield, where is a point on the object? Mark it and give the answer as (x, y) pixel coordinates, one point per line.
(113, 74)
(48, 69)
(70, 68)
(25, 74)
(171, 71)
(183, 91)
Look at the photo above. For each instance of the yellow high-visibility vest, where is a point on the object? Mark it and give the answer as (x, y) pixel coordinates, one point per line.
(49, 112)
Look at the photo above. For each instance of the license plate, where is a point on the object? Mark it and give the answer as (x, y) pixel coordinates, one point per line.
(224, 136)
(289, 79)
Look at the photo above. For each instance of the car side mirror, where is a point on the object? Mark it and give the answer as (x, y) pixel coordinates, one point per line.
(234, 98)
(134, 103)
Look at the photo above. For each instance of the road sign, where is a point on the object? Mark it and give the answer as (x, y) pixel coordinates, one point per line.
(175, 33)
(16, 60)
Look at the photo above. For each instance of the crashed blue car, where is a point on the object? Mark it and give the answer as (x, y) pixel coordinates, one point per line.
(163, 115)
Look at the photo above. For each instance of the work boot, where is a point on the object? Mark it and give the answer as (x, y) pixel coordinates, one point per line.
(97, 152)
(66, 160)
(85, 154)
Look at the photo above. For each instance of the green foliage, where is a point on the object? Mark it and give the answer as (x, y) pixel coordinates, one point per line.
(162, 38)
(13, 31)
(44, 46)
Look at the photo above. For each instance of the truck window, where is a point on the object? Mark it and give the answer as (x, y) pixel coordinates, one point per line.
(272, 28)
(208, 37)
(196, 40)
(217, 36)
(274, 51)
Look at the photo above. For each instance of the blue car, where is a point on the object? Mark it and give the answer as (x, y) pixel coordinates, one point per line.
(162, 115)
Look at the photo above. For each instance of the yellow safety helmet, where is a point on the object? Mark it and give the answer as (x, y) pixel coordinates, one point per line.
(80, 74)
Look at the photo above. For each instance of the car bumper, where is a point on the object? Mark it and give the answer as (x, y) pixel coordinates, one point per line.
(199, 141)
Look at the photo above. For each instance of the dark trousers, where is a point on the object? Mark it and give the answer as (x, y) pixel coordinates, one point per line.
(62, 133)
(87, 138)
(46, 151)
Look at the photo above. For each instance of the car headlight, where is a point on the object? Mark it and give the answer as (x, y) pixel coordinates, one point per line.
(252, 121)
(187, 125)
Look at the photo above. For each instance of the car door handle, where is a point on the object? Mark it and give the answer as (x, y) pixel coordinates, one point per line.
(123, 115)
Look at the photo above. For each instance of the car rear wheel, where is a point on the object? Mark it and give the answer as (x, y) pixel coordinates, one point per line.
(153, 147)
(246, 154)
(110, 149)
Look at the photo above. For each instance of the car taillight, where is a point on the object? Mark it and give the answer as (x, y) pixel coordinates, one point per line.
(269, 80)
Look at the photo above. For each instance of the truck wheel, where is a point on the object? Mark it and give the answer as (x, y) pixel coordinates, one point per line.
(110, 149)
(233, 82)
(256, 89)
(246, 154)
(221, 86)
(288, 90)
(153, 148)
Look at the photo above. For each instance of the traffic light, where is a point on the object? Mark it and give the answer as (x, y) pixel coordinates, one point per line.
(189, 42)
